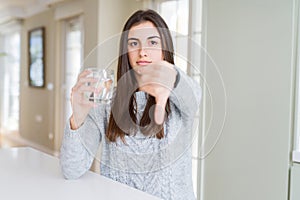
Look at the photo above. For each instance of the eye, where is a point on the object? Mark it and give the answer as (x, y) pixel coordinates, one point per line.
(153, 43)
(133, 44)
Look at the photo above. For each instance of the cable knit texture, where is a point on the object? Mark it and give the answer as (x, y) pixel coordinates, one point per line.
(161, 167)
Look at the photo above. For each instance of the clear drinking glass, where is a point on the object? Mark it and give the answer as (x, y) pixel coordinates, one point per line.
(103, 87)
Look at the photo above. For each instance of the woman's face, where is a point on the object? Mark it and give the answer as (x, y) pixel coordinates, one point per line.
(144, 45)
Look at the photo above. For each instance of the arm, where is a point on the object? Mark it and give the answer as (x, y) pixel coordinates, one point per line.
(186, 95)
(82, 134)
(79, 146)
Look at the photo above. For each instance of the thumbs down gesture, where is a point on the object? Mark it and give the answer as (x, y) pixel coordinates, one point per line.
(157, 79)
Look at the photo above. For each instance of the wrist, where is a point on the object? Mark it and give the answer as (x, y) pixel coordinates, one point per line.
(73, 124)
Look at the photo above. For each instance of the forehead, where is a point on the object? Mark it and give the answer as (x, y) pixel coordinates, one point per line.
(143, 30)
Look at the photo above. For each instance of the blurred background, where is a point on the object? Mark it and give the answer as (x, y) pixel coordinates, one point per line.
(246, 145)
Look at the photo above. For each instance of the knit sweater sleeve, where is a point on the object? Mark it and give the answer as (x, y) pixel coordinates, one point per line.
(80, 146)
(186, 95)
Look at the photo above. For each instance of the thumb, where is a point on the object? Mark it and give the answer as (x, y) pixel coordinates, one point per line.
(159, 112)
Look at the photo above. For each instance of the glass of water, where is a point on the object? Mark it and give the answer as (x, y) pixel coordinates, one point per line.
(103, 87)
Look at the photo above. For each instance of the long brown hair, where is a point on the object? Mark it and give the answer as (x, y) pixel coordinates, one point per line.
(123, 120)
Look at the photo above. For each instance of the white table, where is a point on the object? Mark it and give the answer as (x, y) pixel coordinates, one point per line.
(26, 173)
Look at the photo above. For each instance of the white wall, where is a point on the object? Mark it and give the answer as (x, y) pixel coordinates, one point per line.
(251, 41)
(295, 182)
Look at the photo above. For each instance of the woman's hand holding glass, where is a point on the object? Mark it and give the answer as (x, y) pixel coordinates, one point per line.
(80, 104)
(93, 86)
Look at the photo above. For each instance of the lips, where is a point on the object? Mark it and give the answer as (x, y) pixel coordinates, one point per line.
(143, 62)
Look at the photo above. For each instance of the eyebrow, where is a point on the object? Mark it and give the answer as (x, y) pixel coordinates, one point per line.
(151, 37)
(132, 39)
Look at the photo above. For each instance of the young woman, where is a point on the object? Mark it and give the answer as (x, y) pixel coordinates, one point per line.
(146, 132)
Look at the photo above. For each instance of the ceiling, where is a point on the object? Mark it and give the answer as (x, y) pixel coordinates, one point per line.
(12, 9)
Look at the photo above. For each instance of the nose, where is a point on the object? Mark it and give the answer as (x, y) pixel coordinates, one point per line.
(143, 52)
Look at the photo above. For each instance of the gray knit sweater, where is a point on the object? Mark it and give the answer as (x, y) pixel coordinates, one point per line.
(161, 167)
